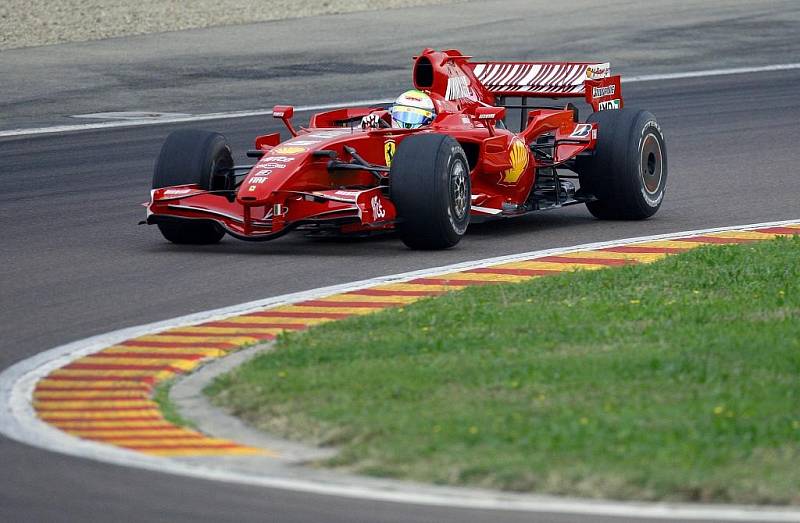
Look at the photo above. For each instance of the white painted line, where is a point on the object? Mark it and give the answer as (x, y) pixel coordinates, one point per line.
(323, 107)
(18, 419)
(712, 72)
(178, 119)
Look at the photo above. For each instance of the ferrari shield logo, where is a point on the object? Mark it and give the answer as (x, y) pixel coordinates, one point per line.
(388, 150)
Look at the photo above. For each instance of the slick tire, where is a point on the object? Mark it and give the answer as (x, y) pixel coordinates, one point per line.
(628, 172)
(430, 187)
(190, 156)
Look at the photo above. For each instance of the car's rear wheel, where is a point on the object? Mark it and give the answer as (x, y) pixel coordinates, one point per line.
(628, 171)
(430, 186)
(191, 156)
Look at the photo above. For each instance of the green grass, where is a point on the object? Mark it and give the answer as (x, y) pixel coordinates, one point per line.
(678, 380)
(168, 409)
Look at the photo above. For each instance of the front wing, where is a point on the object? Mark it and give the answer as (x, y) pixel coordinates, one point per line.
(353, 210)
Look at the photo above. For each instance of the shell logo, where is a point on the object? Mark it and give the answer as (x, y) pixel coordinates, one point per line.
(519, 161)
(288, 149)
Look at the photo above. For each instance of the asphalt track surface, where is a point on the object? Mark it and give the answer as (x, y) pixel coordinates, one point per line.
(76, 264)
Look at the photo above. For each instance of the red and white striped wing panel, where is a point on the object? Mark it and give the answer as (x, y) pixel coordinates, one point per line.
(531, 78)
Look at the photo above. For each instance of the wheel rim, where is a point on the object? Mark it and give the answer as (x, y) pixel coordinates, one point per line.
(458, 190)
(651, 165)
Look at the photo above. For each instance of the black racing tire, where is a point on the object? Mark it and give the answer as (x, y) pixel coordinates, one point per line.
(430, 187)
(628, 171)
(190, 156)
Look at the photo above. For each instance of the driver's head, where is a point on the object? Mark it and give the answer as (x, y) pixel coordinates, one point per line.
(412, 110)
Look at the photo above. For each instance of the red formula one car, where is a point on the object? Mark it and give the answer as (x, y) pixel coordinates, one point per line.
(338, 176)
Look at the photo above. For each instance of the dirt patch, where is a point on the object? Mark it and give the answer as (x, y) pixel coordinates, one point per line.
(27, 23)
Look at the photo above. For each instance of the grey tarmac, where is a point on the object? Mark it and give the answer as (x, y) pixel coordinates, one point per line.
(366, 55)
(76, 264)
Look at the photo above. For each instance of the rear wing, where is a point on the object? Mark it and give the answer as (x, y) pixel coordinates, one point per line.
(592, 81)
(455, 77)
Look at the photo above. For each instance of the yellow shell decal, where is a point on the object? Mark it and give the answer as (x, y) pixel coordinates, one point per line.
(389, 147)
(519, 161)
(289, 149)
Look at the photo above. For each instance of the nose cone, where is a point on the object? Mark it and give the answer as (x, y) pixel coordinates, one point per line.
(292, 165)
(271, 173)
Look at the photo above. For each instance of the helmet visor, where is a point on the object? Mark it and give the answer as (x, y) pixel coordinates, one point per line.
(411, 117)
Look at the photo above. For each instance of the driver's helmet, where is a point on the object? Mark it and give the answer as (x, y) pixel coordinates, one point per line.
(412, 110)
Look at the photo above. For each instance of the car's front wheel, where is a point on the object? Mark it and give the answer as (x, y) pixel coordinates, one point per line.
(430, 187)
(202, 158)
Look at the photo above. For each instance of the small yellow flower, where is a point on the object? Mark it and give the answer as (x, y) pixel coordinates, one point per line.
(635, 302)
(695, 292)
(529, 300)
(473, 430)
(282, 374)
(719, 409)
(541, 397)
(796, 424)
(584, 421)
(425, 329)
(781, 293)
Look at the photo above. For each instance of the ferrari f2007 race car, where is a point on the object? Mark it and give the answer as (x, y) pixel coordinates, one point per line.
(337, 176)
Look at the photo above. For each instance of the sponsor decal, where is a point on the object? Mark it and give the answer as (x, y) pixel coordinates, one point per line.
(258, 177)
(519, 161)
(581, 130)
(281, 159)
(458, 87)
(595, 72)
(175, 192)
(278, 114)
(377, 208)
(389, 147)
(289, 149)
(350, 194)
(599, 92)
(273, 165)
(327, 134)
(609, 104)
(303, 142)
(486, 117)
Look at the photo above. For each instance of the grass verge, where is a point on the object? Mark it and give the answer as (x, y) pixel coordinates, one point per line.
(678, 380)
(168, 409)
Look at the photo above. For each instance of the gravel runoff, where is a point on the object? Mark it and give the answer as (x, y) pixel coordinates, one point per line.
(27, 23)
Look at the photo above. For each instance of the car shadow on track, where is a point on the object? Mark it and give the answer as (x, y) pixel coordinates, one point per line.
(492, 234)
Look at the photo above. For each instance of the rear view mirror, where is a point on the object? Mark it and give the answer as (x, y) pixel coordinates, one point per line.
(285, 113)
(490, 115)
